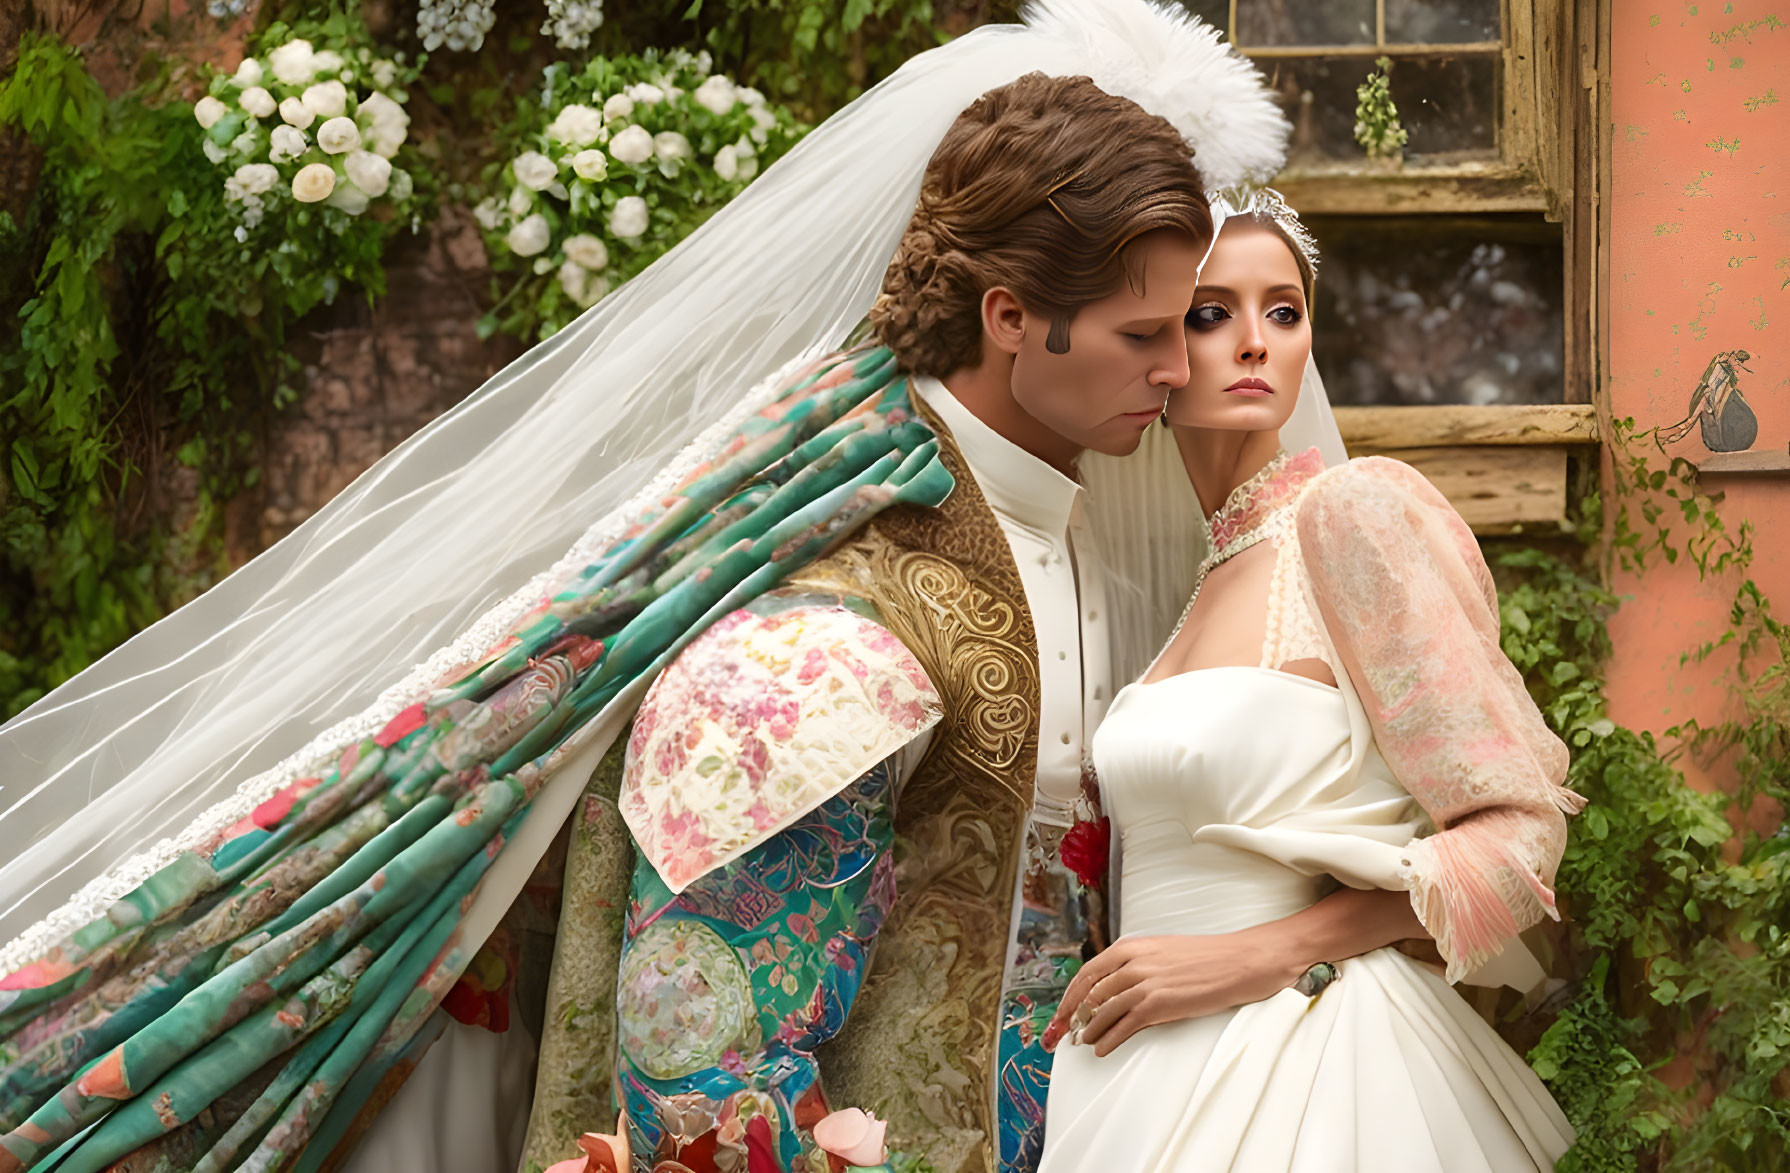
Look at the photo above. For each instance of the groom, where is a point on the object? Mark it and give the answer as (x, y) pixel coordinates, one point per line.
(932, 800)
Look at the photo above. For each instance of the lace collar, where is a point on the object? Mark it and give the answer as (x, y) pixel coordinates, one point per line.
(1247, 515)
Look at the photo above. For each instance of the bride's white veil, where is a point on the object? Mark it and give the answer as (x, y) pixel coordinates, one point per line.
(319, 641)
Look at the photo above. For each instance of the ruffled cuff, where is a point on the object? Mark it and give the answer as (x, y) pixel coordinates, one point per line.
(1473, 894)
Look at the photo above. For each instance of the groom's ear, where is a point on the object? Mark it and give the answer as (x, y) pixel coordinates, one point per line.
(1003, 319)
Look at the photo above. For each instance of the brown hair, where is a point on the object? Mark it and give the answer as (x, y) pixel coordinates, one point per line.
(1040, 186)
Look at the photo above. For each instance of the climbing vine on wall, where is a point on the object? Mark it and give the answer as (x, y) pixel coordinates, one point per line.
(142, 335)
(1678, 907)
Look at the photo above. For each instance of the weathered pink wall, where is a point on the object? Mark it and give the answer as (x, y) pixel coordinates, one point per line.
(1699, 264)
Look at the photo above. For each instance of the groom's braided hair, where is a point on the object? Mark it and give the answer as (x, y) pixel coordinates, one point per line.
(1040, 186)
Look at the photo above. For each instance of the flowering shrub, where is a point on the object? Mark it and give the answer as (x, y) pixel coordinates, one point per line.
(622, 159)
(460, 25)
(308, 134)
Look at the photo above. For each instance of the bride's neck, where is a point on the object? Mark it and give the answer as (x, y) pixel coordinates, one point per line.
(1219, 460)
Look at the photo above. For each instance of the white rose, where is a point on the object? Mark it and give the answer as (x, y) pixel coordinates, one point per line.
(727, 164)
(296, 113)
(288, 142)
(385, 123)
(591, 164)
(401, 185)
(349, 198)
(530, 236)
(747, 157)
(588, 251)
(246, 143)
(577, 125)
(313, 182)
(259, 102)
(338, 136)
(534, 170)
(573, 278)
(371, 173)
(249, 73)
(716, 95)
(633, 145)
(629, 218)
(521, 200)
(385, 73)
(214, 152)
(291, 63)
(669, 144)
(645, 94)
(326, 99)
(327, 61)
(750, 96)
(208, 110)
(255, 178)
(489, 213)
(617, 107)
(762, 121)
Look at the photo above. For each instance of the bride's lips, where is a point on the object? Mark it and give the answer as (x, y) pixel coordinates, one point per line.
(1251, 387)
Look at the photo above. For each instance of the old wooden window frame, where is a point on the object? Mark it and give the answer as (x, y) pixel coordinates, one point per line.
(1514, 468)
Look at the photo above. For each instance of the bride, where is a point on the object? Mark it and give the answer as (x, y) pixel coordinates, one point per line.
(1333, 707)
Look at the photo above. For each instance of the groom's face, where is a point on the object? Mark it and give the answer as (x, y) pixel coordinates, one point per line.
(1125, 353)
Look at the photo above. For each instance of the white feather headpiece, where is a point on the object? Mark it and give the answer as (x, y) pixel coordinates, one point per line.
(1174, 65)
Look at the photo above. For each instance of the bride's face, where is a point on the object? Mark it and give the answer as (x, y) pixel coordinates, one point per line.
(1126, 353)
(1248, 335)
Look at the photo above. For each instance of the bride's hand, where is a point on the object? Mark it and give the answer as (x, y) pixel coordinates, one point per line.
(1145, 981)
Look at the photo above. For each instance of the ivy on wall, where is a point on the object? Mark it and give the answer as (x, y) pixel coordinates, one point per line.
(1678, 908)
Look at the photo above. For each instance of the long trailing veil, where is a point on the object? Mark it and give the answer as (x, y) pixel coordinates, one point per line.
(446, 542)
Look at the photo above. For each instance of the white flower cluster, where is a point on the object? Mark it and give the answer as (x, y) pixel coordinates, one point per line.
(461, 25)
(571, 22)
(592, 180)
(323, 121)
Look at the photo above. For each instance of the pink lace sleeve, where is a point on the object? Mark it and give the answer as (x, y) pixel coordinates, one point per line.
(1409, 606)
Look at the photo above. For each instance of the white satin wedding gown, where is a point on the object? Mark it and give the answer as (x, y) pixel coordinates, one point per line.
(1234, 801)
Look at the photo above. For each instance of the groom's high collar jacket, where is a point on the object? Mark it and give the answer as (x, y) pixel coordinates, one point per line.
(966, 588)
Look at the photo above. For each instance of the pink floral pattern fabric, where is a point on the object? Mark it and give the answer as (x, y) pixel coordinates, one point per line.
(766, 716)
(1408, 604)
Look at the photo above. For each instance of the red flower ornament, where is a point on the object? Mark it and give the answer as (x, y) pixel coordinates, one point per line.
(1085, 849)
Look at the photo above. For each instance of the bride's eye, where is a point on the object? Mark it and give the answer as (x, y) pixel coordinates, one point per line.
(1286, 315)
(1206, 316)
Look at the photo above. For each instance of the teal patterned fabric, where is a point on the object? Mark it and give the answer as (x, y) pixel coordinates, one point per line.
(319, 935)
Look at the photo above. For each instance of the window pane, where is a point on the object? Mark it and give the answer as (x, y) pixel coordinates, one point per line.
(1415, 309)
(1447, 105)
(1441, 22)
(1317, 95)
(1216, 13)
(1302, 22)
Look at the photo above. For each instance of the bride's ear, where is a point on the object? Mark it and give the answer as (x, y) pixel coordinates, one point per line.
(1003, 319)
